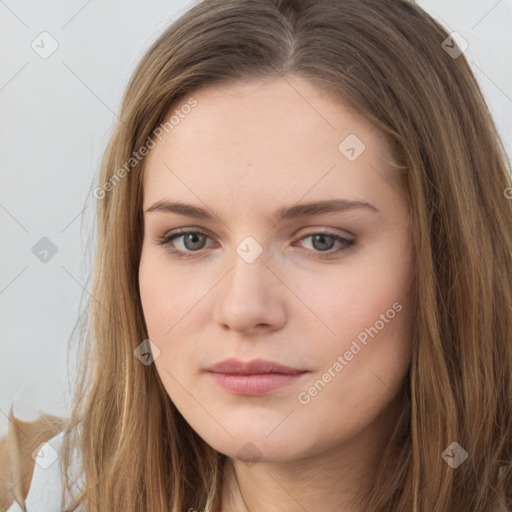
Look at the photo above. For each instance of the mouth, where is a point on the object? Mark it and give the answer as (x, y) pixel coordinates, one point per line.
(256, 377)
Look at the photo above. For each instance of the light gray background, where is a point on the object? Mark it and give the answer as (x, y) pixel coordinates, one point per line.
(56, 116)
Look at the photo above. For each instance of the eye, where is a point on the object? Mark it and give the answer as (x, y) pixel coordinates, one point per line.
(194, 241)
(318, 241)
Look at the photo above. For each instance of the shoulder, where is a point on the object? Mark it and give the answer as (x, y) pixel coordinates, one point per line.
(46, 488)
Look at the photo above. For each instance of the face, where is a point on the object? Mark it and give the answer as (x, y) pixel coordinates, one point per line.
(323, 291)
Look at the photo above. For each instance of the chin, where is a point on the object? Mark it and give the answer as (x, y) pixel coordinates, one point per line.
(251, 445)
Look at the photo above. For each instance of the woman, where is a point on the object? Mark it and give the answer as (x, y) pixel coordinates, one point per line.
(342, 338)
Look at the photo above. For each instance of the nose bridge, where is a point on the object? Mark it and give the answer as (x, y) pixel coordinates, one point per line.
(249, 295)
(249, 274)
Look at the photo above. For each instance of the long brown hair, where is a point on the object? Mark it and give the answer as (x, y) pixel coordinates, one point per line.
(391, 62)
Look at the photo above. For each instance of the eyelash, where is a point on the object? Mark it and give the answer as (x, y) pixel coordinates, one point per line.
(167, 240)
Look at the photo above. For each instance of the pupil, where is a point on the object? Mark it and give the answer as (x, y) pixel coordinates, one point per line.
(191, 237)
(322, 238)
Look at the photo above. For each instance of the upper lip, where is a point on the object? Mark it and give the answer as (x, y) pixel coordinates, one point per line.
(235, 366)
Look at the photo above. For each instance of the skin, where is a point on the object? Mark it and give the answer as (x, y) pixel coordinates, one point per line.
(245, 150)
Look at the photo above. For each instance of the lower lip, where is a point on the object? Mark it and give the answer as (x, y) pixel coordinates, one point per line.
(254, 384)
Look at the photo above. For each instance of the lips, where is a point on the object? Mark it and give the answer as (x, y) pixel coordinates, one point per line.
(252, 378)
(253, 367)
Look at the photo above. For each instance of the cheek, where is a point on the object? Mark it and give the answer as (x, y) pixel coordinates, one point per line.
(371, 314)
(166, 295)
(170, 301)
(382, 310)
(352, 298)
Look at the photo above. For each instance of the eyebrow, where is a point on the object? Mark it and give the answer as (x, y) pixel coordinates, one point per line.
(283, 213)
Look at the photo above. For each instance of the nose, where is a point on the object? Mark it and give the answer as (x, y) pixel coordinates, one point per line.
(251, 297)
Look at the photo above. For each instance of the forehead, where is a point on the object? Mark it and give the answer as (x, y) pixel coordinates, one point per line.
(279, 138)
